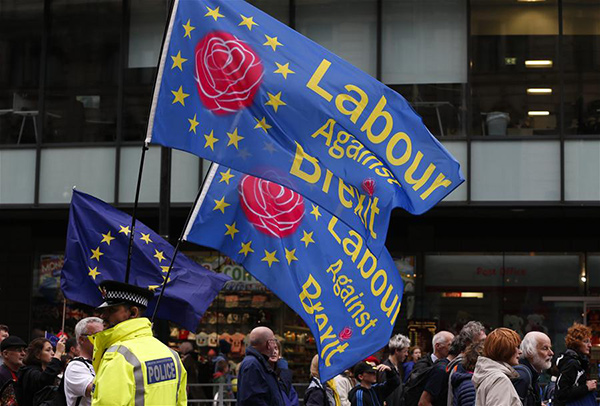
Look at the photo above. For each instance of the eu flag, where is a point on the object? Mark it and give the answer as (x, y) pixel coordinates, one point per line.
(239, 88)
(97, 246)
(348, 296)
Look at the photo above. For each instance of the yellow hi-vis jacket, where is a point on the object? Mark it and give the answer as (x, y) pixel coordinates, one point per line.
(135, 369)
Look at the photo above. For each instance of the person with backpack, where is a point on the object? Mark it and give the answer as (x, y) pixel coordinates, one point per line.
(368, 392)
(573, 384)
(319, 393)
(78, 380)
(37, 379)
(461, 380)
(428, 381)
(537, 357)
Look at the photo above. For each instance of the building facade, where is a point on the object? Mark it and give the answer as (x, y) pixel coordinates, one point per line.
(510, 87)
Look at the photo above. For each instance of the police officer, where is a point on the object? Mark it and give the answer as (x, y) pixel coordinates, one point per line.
(132, 367)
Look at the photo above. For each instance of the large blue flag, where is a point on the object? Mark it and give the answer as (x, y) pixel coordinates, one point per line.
(97, 245)
(239, 88)
(349, 297)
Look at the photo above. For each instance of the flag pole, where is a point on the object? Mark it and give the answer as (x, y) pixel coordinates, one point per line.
(179, 240)
(135, 205)
(64, 315)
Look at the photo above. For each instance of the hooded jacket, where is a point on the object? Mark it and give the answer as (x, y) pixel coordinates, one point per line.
(571, 383)
(258, 384)
(493, 384)
(318, 395)
(462, 387)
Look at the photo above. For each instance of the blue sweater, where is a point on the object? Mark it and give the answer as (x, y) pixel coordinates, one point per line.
(463, 388)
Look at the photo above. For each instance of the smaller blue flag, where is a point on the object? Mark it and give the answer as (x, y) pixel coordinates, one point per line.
(348, 296)
(97, 246)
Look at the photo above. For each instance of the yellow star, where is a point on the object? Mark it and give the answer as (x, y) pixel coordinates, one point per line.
(179, 96)
(290, 255)
(107, 238)
(307, 238)
(275, 101)
(188, 30)
(270, 257)
(96, 254)
(315, 212)
(283, 69)
(193, 124)
(213, 13)
(262, 124)
(226, 176)
(272, 42)
(159, 255)
(247, 21)
(178, 61)
(234, 138)
(153, 287)
(210, 140)
(231, 230)
(124, 230)
(93, 272)
(165, 269)
(146, 238)
(221, 205)
(246, 248)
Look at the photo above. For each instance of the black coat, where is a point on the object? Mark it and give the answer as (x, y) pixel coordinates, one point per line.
(32, 378)
(571, 383)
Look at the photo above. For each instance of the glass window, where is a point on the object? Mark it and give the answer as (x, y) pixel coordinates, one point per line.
(582, 170)
(185, 177)
(514, 68)
(130, 164)
(424, 58)
(17, 176)
(459, 151)
(279, 9)
(346, 28)
(91, 170)
(82, 71)
(146, 28)
(581, 61)
(519, 170)
(21, 25)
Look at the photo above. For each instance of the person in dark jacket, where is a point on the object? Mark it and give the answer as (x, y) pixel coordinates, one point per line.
(398, 346)
(536, 357)
(462, 386)
(258, 384)
(414, 354)
(41, 368)
(284, 375)
(572, 383)
(368, 392)
(317, 393)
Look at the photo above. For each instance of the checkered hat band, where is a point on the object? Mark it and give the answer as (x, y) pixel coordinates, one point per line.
(127, 296)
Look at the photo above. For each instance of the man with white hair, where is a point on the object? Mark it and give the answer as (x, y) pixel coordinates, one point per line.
(79, 375)
(398, 346)
(536, 349)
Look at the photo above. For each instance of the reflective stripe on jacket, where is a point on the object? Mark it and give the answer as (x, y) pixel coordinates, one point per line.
(135, 369)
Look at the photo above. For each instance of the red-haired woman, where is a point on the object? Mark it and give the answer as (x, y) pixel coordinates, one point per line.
(494, 369)
(42, 366)
(572, 384)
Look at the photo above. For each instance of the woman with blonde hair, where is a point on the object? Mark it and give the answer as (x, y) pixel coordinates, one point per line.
(317, 393)
(573, 384)
(494, 369)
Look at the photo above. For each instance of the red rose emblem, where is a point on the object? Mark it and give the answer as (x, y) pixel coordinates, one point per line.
(271, 208)
(228, 72)
(345, 334)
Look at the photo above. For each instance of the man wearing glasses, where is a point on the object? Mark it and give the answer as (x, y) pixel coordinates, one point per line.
(79, 375)
(13, 352)
(258, 384)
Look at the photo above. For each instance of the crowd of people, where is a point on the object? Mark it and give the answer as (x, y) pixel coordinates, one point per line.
(123, 362)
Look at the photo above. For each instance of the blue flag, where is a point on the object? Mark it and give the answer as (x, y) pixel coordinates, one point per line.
(237, 87)
(349, 297)
(97, 245)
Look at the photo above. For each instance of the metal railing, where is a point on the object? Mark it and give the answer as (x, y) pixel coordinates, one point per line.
(218, 399)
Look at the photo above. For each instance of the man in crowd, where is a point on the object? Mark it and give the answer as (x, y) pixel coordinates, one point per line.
(189, 357)
(435, 392)
(536, 356)
(368, 392)
(130, 363)
(79, 375)
(398, 346)
(13, 352)
(4, 333)
(258, 384)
